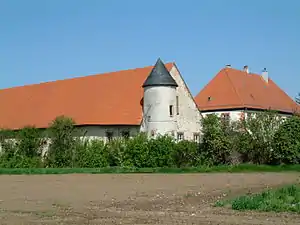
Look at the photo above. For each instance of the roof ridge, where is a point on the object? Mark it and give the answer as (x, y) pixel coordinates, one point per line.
(234, 88)
(80, 76)
(239, 70)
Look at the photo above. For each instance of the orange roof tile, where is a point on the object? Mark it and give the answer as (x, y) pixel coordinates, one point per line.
(232, 88)
(102, 99)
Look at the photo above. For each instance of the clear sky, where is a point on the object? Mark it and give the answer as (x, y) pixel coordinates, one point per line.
(44, 40)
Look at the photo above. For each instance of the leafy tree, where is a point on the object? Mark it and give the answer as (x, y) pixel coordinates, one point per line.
(215, 145)
(287, 141)
(257, 134)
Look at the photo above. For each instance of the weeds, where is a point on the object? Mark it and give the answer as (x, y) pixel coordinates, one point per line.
(285, 199)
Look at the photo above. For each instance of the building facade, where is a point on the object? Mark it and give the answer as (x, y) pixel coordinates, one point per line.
(153, 99)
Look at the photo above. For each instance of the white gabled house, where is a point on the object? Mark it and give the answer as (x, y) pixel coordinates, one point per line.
(233, 94)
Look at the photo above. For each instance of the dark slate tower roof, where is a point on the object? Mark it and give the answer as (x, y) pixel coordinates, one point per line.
(160, 76)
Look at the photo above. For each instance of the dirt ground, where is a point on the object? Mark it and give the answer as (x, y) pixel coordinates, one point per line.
(135, 199)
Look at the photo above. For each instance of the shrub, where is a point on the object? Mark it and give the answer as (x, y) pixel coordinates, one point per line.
(287, 141)
(215, 146)
(62, 132)
(186, 154)
(136, 152)
(91, 154)
(7, 144)
(19, 161)
(8, 149)
(117, 156)
(29, 142)
(256, 136)
(160, 151)
(20, 149)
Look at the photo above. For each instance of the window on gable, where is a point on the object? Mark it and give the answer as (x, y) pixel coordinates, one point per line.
(171, 110)
(180, 136)
(196, 137)
(109, 135)
(125, 134)
(177, 105)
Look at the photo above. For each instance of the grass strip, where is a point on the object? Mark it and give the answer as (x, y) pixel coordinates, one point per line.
(242, 168)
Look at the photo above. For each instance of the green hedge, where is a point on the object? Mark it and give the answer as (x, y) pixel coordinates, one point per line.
(261, 139)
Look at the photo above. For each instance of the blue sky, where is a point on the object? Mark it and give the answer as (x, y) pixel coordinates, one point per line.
(57, 39)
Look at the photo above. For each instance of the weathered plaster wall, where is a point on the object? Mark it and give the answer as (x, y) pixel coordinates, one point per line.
(189, 118)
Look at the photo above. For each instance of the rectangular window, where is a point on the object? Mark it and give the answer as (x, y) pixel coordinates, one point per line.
(177, 105)
(180, 136)
(125, 134)
(225, 117)
(171, 110)
(109, 135)
(152, 133)
(173, 134)
(196, 137)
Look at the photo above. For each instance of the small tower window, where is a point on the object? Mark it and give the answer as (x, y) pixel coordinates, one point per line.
(171, 110)
(177, 105)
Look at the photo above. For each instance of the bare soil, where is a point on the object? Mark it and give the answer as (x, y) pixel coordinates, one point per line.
(135, 199)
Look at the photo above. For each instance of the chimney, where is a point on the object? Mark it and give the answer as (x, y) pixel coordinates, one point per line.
(228, 66)
(265, 75)
(246, 69)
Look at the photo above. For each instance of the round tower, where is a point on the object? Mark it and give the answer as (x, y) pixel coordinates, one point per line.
(159, 115)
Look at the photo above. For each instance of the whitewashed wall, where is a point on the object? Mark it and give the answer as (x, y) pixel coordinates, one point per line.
(236, 114)
(156, 117)
(189, 118)
(100, 131)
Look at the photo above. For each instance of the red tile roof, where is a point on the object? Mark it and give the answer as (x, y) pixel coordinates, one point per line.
(232, 88)
(102, 99)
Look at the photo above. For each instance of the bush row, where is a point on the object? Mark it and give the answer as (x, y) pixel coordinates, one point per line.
(260, 138)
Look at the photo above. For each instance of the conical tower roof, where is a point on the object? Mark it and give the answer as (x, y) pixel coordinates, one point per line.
(160, 76)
